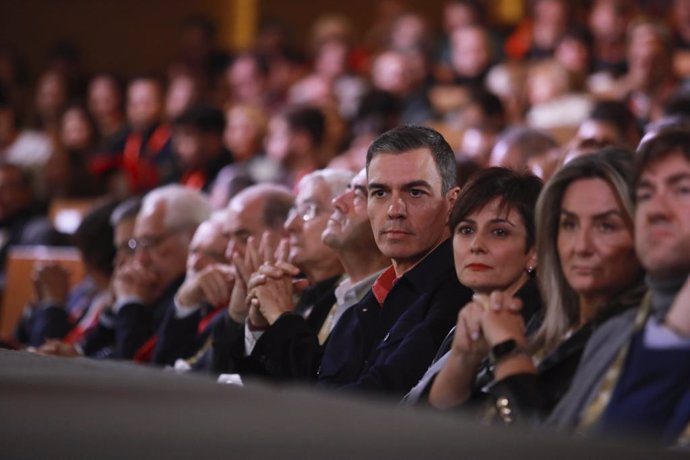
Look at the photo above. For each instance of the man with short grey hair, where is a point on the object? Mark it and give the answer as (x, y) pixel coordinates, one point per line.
(144, 286)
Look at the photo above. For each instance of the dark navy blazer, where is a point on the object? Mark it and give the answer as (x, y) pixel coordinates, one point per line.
(387, 348)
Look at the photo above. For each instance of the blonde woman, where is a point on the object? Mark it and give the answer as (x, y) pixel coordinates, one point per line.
(588, 272)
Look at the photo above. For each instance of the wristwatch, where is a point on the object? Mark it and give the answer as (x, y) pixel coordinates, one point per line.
(503, 350)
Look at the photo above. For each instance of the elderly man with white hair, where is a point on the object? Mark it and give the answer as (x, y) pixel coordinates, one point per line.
(144, 287)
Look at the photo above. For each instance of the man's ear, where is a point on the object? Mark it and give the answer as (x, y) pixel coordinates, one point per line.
(452, 195)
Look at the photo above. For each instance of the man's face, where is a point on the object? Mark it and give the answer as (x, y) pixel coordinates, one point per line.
(278, 141)
(144, 104)
(406, 207)
(207, 247)
(189, 147)
(103, 97)
(470, 52)
(246, 83)
(662, 217)
(307, 221)
(348, 227)
(160, 250)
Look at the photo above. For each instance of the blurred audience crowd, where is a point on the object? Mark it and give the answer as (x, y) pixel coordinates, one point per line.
(487, 219)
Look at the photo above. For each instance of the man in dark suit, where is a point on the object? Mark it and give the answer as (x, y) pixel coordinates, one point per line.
(202, 296)
(385, 343)
(291, 348)
(207, 300)
(266, 325)
(144, 286)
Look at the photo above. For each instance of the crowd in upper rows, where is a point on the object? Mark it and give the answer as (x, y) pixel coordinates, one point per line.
(292, 220)
(276, 111)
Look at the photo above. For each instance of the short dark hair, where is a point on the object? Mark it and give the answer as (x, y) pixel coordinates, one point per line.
(309, 120)
(410, 137)
(617, 114)
(515, 190)
(657, 147)
(205, 118)
(94, 238)
(491, 107)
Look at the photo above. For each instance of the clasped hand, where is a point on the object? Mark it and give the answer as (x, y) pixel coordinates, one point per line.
(485, 322)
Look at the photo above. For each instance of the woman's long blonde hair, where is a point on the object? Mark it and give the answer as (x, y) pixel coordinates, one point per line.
(561, 304)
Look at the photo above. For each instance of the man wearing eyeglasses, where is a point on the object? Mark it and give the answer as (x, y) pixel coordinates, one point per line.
(291, 348)
(265, 326)
(144, 286)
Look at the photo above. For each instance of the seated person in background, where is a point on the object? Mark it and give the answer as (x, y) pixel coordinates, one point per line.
(392, 71)
(651, 79)
(294, 143)
(203, 295)
(307, 254)
(144, 286)
(252, 212)
(292, 347)
(245, 127)
(106, 105)
(197, 139)
(142, 157)
(588, 272)
(97, 339)
(634, 374)
(552, 99)
(483, 119)
(521, 147)
(610, 123)
(61, 313)
(471, 56)
(386, 342)
(492, 223)
(29, 149)
(21, 222)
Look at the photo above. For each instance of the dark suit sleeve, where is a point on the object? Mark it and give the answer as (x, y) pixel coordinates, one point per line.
(227, 346)
(133, 327)
(99, 342)
(288, 350)
(44, 322)
(177, 337)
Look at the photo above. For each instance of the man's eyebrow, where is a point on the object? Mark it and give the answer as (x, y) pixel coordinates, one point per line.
(674, 179)
(416, 184)
(360, 188)
(378, 185)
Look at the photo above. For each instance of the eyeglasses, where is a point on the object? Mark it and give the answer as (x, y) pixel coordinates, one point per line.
(150, 242)
(306, 212)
